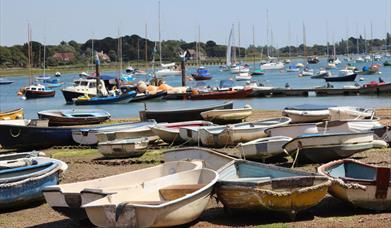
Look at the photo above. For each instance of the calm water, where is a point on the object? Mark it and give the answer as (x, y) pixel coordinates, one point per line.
(9, 99)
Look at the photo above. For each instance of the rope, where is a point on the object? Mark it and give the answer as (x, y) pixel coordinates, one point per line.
(173, 141)
(299, 146)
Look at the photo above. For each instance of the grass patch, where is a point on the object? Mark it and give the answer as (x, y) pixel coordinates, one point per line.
(68, 153)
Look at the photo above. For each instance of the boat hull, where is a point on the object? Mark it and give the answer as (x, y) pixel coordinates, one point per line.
(264, 148)
(180, 115)
(145, 97)
(347, 78)
(123, 148)
(58, 120)
(39, 94)
(227, 116)
(69, 96)
(26, 137)
(12, 114)
(327, 147)
(306, 116)
(233, 94)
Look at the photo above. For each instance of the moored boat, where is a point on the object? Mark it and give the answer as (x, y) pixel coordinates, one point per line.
(176, 115)
(123, 148)
(148, 96)
(231, 135)
(122, 98)
(12, 114)
(168, 201)
(250, 185)
(230, 94)
(22, 185)
(63, 117)
(37, 91)
(67, 198)
(360, 184)
(224, 116)
(344, 76)
(5, 81)
(202, 74)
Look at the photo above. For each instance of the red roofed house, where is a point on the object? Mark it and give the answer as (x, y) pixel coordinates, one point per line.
(64, 57)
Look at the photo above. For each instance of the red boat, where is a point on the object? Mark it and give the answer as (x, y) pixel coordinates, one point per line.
(229, 94)
(36, 91)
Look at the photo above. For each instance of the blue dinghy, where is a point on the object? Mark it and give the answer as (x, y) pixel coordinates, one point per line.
(23, 185)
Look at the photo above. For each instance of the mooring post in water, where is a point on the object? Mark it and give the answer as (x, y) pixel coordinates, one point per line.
(183, 68)
(97, 63)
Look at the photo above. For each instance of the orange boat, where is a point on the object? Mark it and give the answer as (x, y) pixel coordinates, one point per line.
(229, 94)
(12, 114)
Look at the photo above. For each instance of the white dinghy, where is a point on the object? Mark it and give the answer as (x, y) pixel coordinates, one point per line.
(167, 201)
(263, 148)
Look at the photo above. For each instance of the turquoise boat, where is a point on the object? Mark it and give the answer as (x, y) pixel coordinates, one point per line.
(23, 185)
(251, 185)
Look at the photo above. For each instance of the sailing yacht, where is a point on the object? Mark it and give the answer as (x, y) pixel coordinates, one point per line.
(272, 64)
(169, 69)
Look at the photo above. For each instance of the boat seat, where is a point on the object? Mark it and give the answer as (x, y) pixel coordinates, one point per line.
(173, 192)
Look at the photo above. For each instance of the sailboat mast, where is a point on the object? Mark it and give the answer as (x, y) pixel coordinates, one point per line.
(198, 45)
(304, 42)
(347, 38)
(327, 38)
(289, 39)
(29, 52)
(146, 46)
(44, 58)
(239, 39)
(357, 40)
(160, 40)
(254, 47)
(267, 33)
(119, 51)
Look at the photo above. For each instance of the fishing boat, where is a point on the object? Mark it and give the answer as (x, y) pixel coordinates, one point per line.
(344, 76)
(224, 116)
(93, 135)
(37, 91)
(202, 74)
(5, 81)
(230, 94)
(255, 186)
(23, 185)
(325, 147)
(12, 114)
(263, 148)
(82, 87)
(122, 98)
(169, 132)
(123, 148)
(34, 134)
(63, 117)
(167, 201)
(67, 198)
(307, 113)
(177, 115)
(231, 135)
(350, 113)
(243, 76)
(363, 185)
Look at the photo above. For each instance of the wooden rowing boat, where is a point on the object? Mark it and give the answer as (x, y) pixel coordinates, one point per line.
(167, 201)
(325, 147)
(224, 116)
(251, 185)
(220, 136)
(177, 115)
(12, 114)
(263, 148)
(22, 185)
(169, 132)
(67, 198)
(307, 113)
(123, 148)
(64, 117)
(363, 185)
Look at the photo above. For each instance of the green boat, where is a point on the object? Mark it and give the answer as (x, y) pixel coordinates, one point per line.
(257, 72)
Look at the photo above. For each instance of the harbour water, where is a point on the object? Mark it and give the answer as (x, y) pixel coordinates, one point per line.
(9, 99)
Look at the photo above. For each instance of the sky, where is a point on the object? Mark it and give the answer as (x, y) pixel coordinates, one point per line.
(54, 21)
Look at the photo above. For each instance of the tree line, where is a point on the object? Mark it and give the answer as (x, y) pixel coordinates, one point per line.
(133, 49)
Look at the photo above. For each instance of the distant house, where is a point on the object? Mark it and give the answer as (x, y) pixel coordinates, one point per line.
(64, 57)
(193, 54)
(103, 57)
